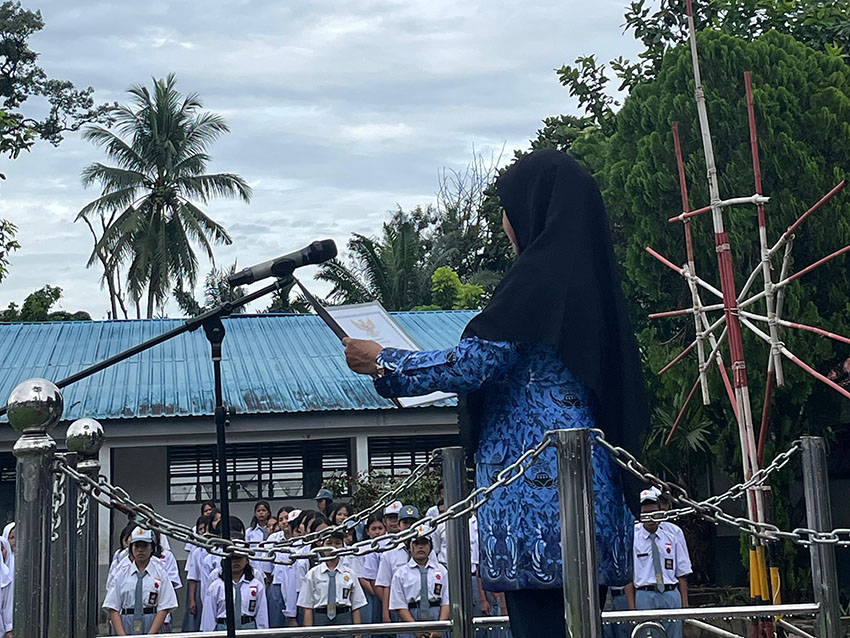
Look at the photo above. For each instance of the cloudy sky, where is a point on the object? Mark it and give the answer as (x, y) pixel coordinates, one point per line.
(339, 111)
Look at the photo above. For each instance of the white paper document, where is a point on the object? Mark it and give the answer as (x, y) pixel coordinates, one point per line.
(372, 321)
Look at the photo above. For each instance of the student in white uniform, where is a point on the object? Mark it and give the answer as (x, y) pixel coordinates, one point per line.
(7, 589)
(257, 533)
(331, 593)
(372, 612)
(194, 599)
(274, 593)
(138, 600)
(390, 561)
(662, 564)
(420, 588)
(249, 599)
(283, 575)
(313, 522)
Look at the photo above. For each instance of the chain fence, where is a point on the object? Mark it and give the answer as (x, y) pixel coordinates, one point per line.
(299, 548)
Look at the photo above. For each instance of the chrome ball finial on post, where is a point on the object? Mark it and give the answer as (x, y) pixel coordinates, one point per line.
(35, 405)
(85, 437)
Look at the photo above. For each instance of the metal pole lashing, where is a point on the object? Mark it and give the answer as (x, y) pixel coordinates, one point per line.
(819, 518)
(578, 534)
(34, 406)
(61, 623)
(459, 561)
(85, 437)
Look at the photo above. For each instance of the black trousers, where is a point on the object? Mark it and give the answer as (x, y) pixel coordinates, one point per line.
(539, 613)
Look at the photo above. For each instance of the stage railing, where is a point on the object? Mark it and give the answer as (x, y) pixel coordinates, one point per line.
(56, 588)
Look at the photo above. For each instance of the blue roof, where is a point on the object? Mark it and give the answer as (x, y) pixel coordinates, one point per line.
(272, 364)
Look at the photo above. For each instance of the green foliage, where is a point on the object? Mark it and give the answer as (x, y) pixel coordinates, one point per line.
(217, 292)
(448, 293)
(284, 302)
(160, 146)
(21, 78)
(7, 245)
(802, 103)
(37, 305)
(821, 24)
(368, 487)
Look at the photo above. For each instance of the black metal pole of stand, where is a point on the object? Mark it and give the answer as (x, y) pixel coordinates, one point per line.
(214, 329)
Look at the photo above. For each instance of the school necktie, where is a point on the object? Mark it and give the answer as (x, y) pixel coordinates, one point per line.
(656, 563)
(237, 604)
(138, 604)
(423, 593)
(331, 594)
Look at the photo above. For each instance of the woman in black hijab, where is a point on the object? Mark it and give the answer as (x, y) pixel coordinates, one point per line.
(553, 349)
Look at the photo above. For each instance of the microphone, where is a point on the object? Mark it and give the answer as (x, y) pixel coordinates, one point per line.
(316, 253)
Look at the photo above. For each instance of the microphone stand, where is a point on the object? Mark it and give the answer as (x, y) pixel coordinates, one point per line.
(214, 331)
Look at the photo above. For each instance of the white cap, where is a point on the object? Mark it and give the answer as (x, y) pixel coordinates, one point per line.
(140, 534)
(649, 496)
(393, 508)
(293, 515)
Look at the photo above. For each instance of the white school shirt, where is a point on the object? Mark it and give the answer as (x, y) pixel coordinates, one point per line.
(371, 562)
(284, 575)
(167, 562)
(406, 586)
(157, 590)
(440, 538)
(672, 549)
(302, 566)
(389, 563)
(256, 536)
(314, 589)
(253, 603)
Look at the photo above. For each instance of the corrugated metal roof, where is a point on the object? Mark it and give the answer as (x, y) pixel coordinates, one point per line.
(271, 364)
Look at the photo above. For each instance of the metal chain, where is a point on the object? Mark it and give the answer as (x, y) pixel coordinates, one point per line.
(736, 491)
(711, 511)
(58, 502)
(284, 552)
(112, 496)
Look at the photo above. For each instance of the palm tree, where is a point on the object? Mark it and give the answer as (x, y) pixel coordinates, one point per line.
(395, 269)
(160, 147)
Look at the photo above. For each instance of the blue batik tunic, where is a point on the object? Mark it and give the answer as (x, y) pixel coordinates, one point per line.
(527, 391)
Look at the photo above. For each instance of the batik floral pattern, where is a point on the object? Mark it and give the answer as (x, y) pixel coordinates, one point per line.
(527, 391)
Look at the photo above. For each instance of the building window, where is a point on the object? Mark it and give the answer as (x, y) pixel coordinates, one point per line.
(269, 471)
(399, 455)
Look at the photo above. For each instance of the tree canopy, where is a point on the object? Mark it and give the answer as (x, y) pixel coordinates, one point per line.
(147, 204)
(21, 78)
(7, 245)
(37, 305)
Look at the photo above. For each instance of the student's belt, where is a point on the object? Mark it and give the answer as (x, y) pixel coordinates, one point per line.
(242, 621)
(652, 587)
(340, 609)
(145, 610)
(431, 603)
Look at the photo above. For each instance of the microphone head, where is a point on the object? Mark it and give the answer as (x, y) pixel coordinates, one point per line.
(322, 251)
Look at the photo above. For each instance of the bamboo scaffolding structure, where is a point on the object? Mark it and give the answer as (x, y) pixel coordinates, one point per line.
(820, 262)
(685, 311)
(678, 357)
(800, 326)
(792, 357)
(689, 250)
(684, 272)
(786, 236)
(723, 203)
(762, 224)
(683, 409)
(755, 503)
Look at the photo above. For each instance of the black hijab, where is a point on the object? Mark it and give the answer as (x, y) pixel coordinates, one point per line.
(564, 290)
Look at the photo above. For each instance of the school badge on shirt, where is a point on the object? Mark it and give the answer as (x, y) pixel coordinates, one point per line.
(252, 604)
(152, 597)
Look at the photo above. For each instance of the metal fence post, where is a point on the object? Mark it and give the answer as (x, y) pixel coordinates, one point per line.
(460, 563)
(34, 406)
(61, 592)
(819, 518)
(578, 534)
(85, 437)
